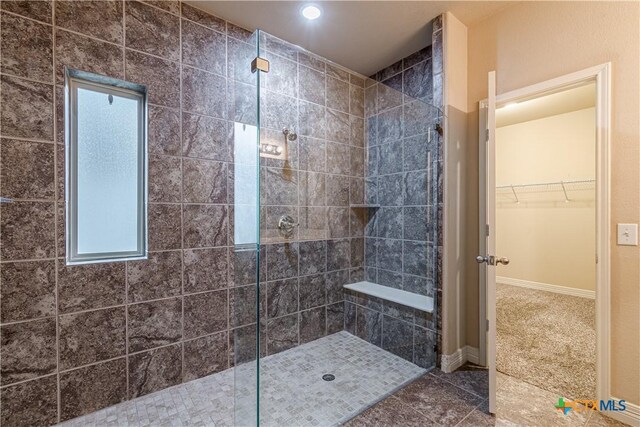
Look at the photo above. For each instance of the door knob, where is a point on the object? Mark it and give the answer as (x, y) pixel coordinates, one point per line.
(503, 261)
(480, 259)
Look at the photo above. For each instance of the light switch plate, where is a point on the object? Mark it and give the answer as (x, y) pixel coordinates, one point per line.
(628, 234)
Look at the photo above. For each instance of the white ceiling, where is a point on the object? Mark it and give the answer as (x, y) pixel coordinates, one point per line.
(364, 36)
(566, 101)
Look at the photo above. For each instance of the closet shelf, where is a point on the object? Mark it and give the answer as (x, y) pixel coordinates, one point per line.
(546, 184)
(549, 186)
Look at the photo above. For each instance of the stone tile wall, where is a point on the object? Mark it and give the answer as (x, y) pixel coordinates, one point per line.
(77, 339)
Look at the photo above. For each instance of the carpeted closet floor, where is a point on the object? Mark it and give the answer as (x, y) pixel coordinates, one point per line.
(548, 340)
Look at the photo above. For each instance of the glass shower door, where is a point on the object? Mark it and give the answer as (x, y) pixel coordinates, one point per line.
(245, 256)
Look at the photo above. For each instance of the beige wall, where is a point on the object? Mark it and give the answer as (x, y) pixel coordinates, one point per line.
(547, 239)
(534, 41)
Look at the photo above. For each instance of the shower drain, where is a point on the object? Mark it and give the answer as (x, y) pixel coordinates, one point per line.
(328, 377)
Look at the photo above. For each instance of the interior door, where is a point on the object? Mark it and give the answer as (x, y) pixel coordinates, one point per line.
(488, 259)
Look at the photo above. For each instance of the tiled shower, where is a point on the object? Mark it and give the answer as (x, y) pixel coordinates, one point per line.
(362, 180)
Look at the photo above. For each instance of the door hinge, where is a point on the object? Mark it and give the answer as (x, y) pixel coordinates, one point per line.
(487, 325)
(487, 230)
(259, 64)
(486, 136)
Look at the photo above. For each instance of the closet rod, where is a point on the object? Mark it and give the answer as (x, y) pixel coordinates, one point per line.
(540, 184)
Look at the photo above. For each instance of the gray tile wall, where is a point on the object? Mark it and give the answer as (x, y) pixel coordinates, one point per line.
(77, 339)
(403, 188)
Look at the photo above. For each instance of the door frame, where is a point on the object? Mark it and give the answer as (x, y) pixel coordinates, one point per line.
(601, 74)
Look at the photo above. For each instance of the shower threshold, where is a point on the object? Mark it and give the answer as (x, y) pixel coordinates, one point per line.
(292, 389)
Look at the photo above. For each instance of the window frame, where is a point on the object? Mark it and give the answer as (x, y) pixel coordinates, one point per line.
(75, 79)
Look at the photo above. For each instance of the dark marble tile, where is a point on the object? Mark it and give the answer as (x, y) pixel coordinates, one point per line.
(398, 337)
(204, 137)
(26, 109)
(161, 77)
(165, 179)
(468, 377)
(282, 333)
(417, 223)
(313, 324)
(416, 188)
(158, 277)
(357, 162)
(205, 356)
(205, 313)
(282, 260)
(357, 131)
(282, 297)
(438, 56)
(283, 76)
(313, 257)
(171, 6)
(338, 254)
(33, 403)
(418, 153)
(356, 101)
(359, 219)
(390, 126)
(205, 269)
(338, 158)
(92, 388)
(312, 119)
(243, 106)
(419, 117)
(155, 370)
(416, 57)
(87, 54)
(356, 196)
(152, 31)
(28, 290)
(335, 318)
(100, 19)
(26, 48)
(371, 252)
(203, 48)
(350, 317)
(356, 80)
(369, 325)
(153, 324)
(390, 190)
(389, 222)
(312, 291)
(164, 227)
(243, 266)
(390, 254)
(338, 222)
(313, 223)
(242, 344)
(92, 336)
(389, 71)
(371, 195)
(164, 131)
(418, 285)
(312, 85)
(338, 95)
(205, 226)
(390, 278)
(337, 72)
(390, 158)
(337, 126)
(27, 230)
(398, 311)
(417, 81)
(28, 350)
(243, 305)
(311, 61)
(390, 93)
(417, 257)
(282, 186)
(424, 348)
(90, 286)
(312, 154)
(334, 282)
(203, 93)
(371, 100)
(38, 10)
(278, 112)
(202, 18)
(240, 54)
(443, 402)
(390, 412)
(27, 169)
(204, 181)
(279, 47)
(311, 189)
(338, 190)
(240, 33)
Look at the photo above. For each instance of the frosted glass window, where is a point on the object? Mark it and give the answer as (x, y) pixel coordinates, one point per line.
(106, 169)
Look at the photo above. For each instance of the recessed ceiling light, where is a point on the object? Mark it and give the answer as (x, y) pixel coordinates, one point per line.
(311, 12)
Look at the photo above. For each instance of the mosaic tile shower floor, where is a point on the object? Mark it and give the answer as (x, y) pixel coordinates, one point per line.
(292, 390)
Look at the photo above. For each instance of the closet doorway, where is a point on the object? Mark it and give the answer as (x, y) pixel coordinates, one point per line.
(544, 224)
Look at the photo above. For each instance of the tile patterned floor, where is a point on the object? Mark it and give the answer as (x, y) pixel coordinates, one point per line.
(292, 390)
(460, 399)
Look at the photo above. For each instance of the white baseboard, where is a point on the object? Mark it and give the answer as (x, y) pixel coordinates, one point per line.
(451, 362)
(630, 416)
(546, 287)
